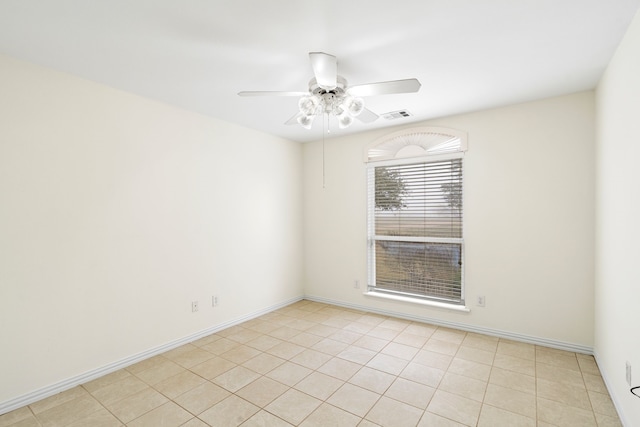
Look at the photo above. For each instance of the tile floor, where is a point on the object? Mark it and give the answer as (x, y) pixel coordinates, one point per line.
(313, 364)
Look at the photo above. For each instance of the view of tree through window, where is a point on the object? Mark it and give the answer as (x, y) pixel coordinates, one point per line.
(418, 229)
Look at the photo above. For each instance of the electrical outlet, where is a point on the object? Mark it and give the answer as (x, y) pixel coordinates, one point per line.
(480, 301)
(628, 373)
(356, 284)
(214, 301)
(194, 306)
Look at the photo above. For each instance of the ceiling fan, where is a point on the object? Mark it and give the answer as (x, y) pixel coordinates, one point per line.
(329, 93)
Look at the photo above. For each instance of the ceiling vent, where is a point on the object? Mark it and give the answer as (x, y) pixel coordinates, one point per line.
(401, 114)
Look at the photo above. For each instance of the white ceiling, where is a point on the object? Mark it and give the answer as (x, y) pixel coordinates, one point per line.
(198, 54)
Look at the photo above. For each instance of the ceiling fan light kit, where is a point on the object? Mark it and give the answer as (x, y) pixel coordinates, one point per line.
(329, 94)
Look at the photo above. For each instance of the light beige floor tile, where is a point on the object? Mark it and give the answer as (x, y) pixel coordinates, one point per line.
(433, 359)
(515, 364)
(371, 343)
(432, 420)
(481, 342)
(319, 385)
(193, 357)
(517, 349)
(594, 383)
(354, 399)
(395, 324)
(284, 333)
(336, 322)
(69, 412)
(602, 404)
(372, 319)
(301, 324)
(119, 390)
(262, 391)
(330, 346)
(286, 350)
(423, 374)
(206, 340)
(263, 363)
(106, 380)
(422, 329)
(305, 339)
(383, 333)
(195, 422)
(231, 330)
(202, 398)
(588, 365)
(467, 368)
(389, 364)
(411, 393)
(264, 342)
(565, 376)
(475, 355)
(240, 354)
(174, 386)
(245, 336)
(562, 393)
(607, 421)
(557, 358)
(401, 351)
(146, 364)
(322, 330)
(293, 406)
(513, 380)
(449, 335)
(391, 413)
(236, 378)
(101, 418)
(345, 336)
(357, 354)
(328, 415)
(413, 340)
(58, 399)
(358, 327)
(559, 414)
(311, 359)
(463, 386)
(443, 347)
(230, 412)
(265, 419)
(263, 327)
(213, 367)
(289, 373)
(23, 414)
(367, 423)
(136, 405)
(160, 372)
(454, 407)
(492, 417)
(372, 379)
(340, 368)
(220, 346)
(511, 400)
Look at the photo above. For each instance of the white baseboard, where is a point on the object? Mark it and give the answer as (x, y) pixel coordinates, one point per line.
(36, 395)
(614, 397)
(576, 348)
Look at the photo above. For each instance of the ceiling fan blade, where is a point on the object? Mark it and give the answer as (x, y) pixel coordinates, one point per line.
(386, 88)
(367, 116)
(293, 120)
(325, 69)
(270, 93)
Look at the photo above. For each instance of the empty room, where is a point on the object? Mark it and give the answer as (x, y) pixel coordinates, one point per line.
(296, 213)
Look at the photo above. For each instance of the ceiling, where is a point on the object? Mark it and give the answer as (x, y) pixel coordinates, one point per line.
(198, 54)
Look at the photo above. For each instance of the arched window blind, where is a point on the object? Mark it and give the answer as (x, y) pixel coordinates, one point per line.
(415, 214)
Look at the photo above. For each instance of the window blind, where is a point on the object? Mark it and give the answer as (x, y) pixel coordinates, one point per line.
(415, 229)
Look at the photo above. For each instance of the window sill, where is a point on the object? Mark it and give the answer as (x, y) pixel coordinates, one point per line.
(446, 306)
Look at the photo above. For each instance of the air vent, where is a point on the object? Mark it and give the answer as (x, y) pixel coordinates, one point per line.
(401, 114)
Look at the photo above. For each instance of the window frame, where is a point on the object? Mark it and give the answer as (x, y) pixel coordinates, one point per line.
(372, 238)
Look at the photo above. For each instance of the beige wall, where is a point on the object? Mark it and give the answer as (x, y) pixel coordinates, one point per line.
(529, 218)
(116, 212)
(617, 336)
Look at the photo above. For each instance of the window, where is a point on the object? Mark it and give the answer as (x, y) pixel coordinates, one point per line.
(415, 215)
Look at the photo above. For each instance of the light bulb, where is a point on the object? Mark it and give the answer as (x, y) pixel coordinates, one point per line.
(344, 121)
(306, 121)
(308, 105)
(354, 105)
